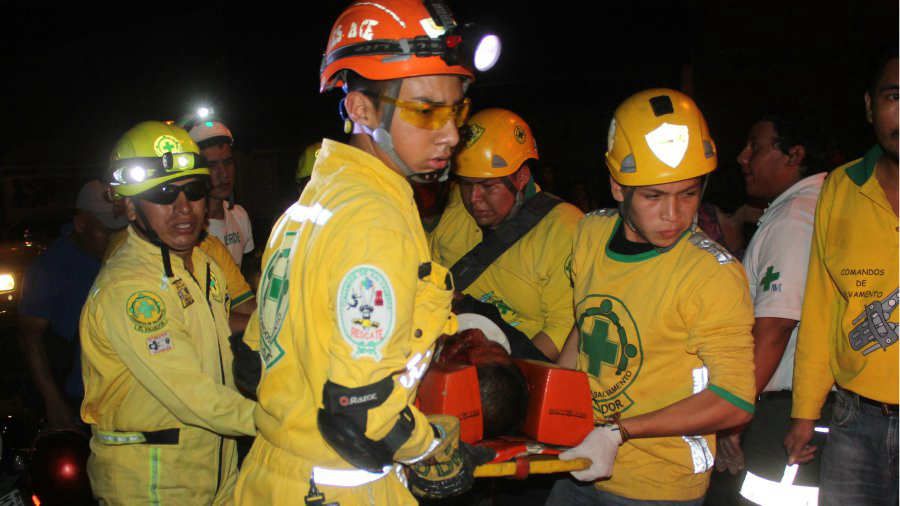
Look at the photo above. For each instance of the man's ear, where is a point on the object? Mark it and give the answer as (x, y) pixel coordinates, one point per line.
(361, 109)
(868, 100)
(521, 177)
(618, 192)
(130, 211)
(796, 155)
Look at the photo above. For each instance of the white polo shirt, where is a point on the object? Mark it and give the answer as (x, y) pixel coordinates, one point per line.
(777, 260)
(234, 231)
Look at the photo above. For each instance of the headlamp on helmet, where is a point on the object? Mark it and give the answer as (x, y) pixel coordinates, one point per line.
(460, 48)
(138, 170)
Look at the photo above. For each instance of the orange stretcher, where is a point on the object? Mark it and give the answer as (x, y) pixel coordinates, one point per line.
(559, 415)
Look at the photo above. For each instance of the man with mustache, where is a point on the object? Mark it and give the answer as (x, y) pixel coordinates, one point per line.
(848, 331)
(523, 274)
(158, 389)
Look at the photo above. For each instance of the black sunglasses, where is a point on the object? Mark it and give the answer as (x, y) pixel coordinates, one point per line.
(167, 193)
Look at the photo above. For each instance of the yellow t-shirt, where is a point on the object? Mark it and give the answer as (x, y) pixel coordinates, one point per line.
(656, 328)
(528, 282)
(848, 328)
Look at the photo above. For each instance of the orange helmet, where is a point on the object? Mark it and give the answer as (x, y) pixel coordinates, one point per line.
(390, 39)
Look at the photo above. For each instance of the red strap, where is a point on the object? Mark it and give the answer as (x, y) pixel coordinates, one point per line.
(521, 468)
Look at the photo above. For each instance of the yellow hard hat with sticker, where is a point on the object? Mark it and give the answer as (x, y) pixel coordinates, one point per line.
(496, 142)
(150, 154)
(659, 136)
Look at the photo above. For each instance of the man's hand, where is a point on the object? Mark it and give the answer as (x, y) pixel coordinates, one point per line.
(601, 447)
(449, 469)
(246, 367)
(797, 441)
(729, 454)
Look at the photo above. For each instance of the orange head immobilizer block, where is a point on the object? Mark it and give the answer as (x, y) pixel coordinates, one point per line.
(453, 390)
(559, 401)
(560, 411)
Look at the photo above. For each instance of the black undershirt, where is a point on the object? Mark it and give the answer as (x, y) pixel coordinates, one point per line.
(621, 245)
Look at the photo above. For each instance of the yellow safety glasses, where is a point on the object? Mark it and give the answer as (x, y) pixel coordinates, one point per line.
(429, 116)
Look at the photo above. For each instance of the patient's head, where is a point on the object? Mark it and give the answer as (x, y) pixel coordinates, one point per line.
(504, 393)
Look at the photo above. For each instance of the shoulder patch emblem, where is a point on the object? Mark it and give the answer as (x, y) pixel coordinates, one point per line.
(366, 310)
(146, 310)
(159, 344)
(183, 293)
(702, 241)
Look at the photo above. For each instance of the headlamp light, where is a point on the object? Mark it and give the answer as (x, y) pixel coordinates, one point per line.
(137, 174)
(468, 45)
(138, 170)
(7, 282)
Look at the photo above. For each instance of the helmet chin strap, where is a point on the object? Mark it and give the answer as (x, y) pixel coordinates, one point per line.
(382, 137)
(625, 206)
(143, 224)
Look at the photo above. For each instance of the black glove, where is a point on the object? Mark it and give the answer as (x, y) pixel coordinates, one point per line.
(247, 366)
(449, 470)
(519, 344)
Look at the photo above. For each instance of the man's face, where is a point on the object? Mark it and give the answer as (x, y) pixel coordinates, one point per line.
(221, 170)
(661, 212)
(421, 149)
(882, 110)
(178, 224)
(488, 200)
(92, 235)
(767, 170)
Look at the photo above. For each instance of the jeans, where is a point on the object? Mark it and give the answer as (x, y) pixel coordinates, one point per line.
(859, 464)
(568, 492)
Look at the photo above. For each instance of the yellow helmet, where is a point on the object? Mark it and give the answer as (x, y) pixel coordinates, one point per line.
(151, 153)
(658, 136)
(496, 142)
(306, 161)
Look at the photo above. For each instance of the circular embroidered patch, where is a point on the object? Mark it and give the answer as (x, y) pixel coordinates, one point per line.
(166, 144)
(146, 310)
(366, 310)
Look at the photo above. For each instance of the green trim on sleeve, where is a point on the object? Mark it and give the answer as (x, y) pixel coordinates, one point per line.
(730, 397)
(240, 299)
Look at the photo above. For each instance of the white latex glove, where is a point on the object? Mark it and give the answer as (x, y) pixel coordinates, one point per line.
(600, 446)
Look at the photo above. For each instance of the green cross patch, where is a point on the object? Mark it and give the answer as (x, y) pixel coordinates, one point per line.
(769, 277)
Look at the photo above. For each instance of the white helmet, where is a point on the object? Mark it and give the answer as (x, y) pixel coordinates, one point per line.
(209, 133)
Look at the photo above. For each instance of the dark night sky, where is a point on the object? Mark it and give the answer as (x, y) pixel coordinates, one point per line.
(76, 79)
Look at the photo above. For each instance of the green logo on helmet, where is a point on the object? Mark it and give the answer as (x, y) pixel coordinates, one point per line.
(472, 133)
(166, 144)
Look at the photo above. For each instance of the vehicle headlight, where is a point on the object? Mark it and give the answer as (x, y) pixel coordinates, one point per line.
(7, 282)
